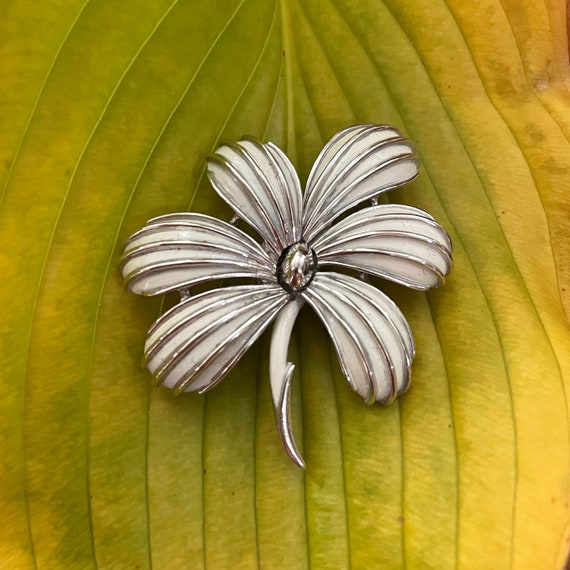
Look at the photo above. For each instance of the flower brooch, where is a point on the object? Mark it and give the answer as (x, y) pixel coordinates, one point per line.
(197, 342)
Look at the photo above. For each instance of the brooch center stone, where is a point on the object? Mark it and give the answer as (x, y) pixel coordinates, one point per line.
(296, 267)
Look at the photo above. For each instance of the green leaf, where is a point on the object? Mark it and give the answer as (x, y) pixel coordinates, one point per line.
(107, 113)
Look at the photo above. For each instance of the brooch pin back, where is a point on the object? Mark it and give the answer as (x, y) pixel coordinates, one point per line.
(304, 238)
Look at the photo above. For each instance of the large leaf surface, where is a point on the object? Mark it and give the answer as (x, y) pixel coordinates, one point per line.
(107, 112)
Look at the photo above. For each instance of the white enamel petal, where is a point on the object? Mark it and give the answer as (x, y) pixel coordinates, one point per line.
(373, 341)
(195, 344)
(176, 251)
(259, 182)
(357, 164)
(400, 243)
(281, 375)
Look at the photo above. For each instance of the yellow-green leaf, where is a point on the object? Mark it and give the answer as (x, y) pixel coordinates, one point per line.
(107, 112)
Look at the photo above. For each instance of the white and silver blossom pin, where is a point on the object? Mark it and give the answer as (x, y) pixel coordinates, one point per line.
(197, 342)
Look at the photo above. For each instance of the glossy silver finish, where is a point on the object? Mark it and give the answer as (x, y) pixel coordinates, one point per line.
(296, 267)
(177, 251)
(281, 376)
(371, 336)
(195, 344)
(399, 243)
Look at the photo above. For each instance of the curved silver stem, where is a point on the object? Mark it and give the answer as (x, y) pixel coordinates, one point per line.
(281, 376)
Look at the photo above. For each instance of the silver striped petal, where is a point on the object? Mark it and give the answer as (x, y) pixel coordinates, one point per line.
(197, 342)
(373, 341)
(259, 182)
(177, 251)
(357, 164)
(400, 243)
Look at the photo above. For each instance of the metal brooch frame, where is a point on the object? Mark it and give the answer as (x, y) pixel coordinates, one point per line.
(304, 237)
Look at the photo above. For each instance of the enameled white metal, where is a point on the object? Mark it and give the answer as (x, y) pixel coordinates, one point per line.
(307, 243)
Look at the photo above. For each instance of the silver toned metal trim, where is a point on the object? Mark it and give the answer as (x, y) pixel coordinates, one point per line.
(352, 153)
(267, 190)
(152, 348)
(311, 230)
(321, 306)
(324, 162)
(199, 338)
(331, 292)
(175, 252)
(290, 181)
(395, 320)
(376, 214)
(339, 261)
(267, 228)
(366, 240)
(262, 177)
(287, 194)
(318, 195)
(186, 380)
(197, 342)
(281, 376)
